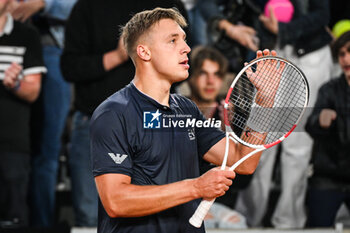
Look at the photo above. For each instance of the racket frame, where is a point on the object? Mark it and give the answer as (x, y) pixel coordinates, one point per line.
(197, 218)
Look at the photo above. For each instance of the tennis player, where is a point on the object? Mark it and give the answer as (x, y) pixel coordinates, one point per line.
(147, 175)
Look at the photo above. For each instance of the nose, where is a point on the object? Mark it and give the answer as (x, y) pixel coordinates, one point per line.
(211, 78)
(186, 48)
(347, 56)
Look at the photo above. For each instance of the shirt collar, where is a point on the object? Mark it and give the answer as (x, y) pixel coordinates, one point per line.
(172, 101)
(8, 25)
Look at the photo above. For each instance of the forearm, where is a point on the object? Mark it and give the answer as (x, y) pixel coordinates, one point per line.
(248, 166)
(28, 90)
(236, 151)
(135, 200)
(112, 59)
(82, 68)
(225, 25)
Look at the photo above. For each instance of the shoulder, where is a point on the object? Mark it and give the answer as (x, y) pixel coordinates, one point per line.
(25, 35)
(25, 29)
(183, 101)
(187, 105)
(333, 84)
(117, 104)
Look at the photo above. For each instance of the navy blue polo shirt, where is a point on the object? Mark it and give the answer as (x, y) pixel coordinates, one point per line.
(134, 135)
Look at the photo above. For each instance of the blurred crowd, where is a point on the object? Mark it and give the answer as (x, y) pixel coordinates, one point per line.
(59, 59)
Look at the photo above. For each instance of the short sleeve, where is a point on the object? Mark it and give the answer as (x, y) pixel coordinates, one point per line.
(33, 58)
(206, 136)
(110, 149)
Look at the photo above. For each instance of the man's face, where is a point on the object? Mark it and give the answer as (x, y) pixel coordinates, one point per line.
(344, 59)
(207, 84)
(169, 50)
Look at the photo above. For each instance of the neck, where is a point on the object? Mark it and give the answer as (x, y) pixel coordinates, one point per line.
(153, 86)
(206, 107)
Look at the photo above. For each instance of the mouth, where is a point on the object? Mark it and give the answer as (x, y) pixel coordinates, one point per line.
(185, 63)
(346, 67)
(209, 90)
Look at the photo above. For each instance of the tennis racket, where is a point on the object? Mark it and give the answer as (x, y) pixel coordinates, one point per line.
(263, 106)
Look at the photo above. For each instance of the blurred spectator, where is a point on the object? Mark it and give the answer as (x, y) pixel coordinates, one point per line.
(230, 28)
(196, 23)
(204, 14)
(208, 69)
(328, 125)
(54, 105)
(95, 60)
(305, 42)
(20, 71)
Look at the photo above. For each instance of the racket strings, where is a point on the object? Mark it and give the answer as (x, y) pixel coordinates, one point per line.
(287, 91)
(291, 107)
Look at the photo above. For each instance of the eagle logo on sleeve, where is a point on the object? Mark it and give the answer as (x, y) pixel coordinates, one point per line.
(117, 158)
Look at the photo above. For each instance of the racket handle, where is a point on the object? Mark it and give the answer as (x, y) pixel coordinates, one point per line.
(197, 218)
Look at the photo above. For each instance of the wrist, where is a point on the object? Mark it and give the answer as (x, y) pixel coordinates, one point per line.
(224, 24)
(17, 86)
(274, 29)
(195, 193)
(264, 101)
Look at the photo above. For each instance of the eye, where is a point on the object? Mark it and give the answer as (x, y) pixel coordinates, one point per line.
(173, 41)
(202, 72)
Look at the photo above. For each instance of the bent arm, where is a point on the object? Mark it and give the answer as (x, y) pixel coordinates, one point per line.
(120, 198)
(325, 100)
(236, 151)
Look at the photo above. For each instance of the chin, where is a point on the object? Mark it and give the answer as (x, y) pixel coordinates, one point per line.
(207, 99)
(180, 78)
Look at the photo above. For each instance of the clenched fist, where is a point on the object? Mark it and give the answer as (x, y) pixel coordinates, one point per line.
(327, 116)
(11, 78)
(214, 183)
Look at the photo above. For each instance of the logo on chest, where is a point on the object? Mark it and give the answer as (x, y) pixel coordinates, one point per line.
(191, 134)
(151, 120)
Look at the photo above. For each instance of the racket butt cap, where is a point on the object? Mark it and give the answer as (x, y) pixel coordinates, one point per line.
(196, 222)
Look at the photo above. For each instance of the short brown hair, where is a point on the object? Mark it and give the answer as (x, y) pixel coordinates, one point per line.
(143, 21)
(202, 53)
(339, 43)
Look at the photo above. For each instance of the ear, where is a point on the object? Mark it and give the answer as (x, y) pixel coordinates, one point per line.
(143, 52)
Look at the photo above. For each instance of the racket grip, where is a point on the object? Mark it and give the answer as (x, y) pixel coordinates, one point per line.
(197, 218)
